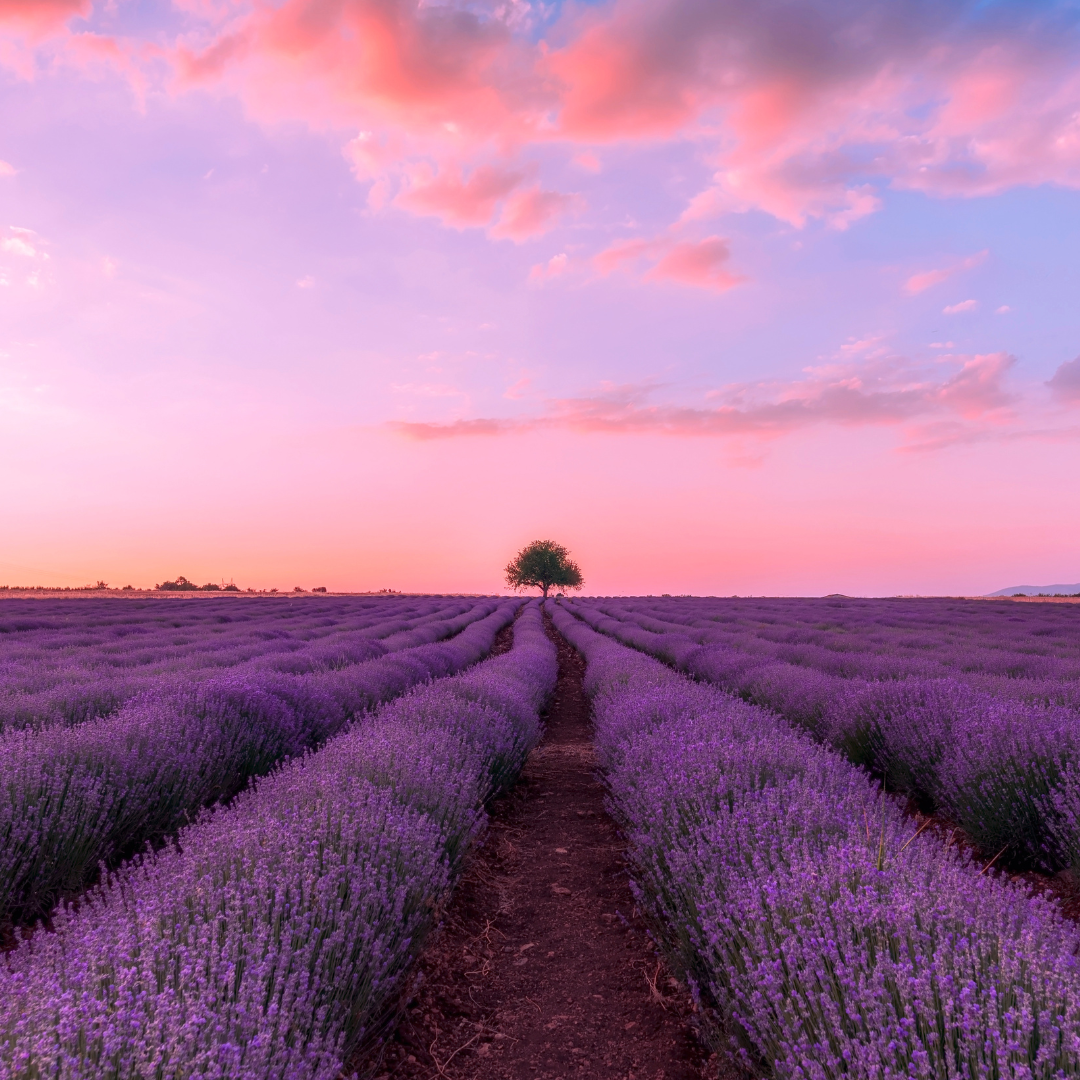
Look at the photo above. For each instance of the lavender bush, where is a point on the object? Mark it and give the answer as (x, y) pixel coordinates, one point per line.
(993, 763)
(1000, 779)
(269, 940)
(71, 797)
(820, 932)
(258, 634)
(1030, 649)
(67, 670)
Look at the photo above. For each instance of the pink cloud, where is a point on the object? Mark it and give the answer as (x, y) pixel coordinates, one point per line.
(447, 194)
(1065, 383)
(211, 63)
(648, 70)
(626, 77)
(960, 308)
(454, 428)
(426, 69)
(554, 267)
(976, 389)
(918, 283)
(213, 10)
(457, 201)
(700, 264)
(889, 92)
(870, 347)
(39, 17)
(519, 389)
(806, 111)
(370, 155)
(620, 254)
(991, 115)
(889, 391)
(27, 25)
(532, 213)
(7, 169)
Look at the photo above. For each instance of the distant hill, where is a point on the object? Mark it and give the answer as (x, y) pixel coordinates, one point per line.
(1034, 590)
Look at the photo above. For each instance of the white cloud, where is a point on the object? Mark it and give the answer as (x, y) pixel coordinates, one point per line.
(20, 241)
(16, 245)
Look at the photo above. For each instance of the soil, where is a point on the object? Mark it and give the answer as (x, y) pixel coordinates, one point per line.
(1062, 887)
(504, 640)
(543, 969)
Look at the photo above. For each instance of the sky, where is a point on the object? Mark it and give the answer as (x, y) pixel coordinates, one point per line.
(727, 296)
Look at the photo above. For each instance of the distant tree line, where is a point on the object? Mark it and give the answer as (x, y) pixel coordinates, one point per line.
(57, 588)
(181, 584)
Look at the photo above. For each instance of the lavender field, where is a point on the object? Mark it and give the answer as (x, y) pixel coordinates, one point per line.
(264, 929)
(822, 929)
(241, 818)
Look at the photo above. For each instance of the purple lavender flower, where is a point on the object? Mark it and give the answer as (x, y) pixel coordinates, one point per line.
(72, 797)
(953, 732)
(817, 928)
(269, 940)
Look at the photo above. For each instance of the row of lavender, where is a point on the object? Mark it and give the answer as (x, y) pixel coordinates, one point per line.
(269, 940)
(1030, 651)
(72, 797)
(81, 661)
(820, 933)
(1004, 769)
(160, 632)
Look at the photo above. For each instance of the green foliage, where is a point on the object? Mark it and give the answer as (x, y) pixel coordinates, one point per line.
(543, 564)
(181, 584)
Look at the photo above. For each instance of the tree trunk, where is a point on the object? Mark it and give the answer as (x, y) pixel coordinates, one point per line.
(545, 588)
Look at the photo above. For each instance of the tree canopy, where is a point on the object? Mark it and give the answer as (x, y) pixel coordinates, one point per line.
(181, 584)
(543, 564)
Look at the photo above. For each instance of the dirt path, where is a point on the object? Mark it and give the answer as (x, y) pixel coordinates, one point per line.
(543, 970)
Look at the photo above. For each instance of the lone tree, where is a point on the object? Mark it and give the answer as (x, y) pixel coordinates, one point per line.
(543, 564)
